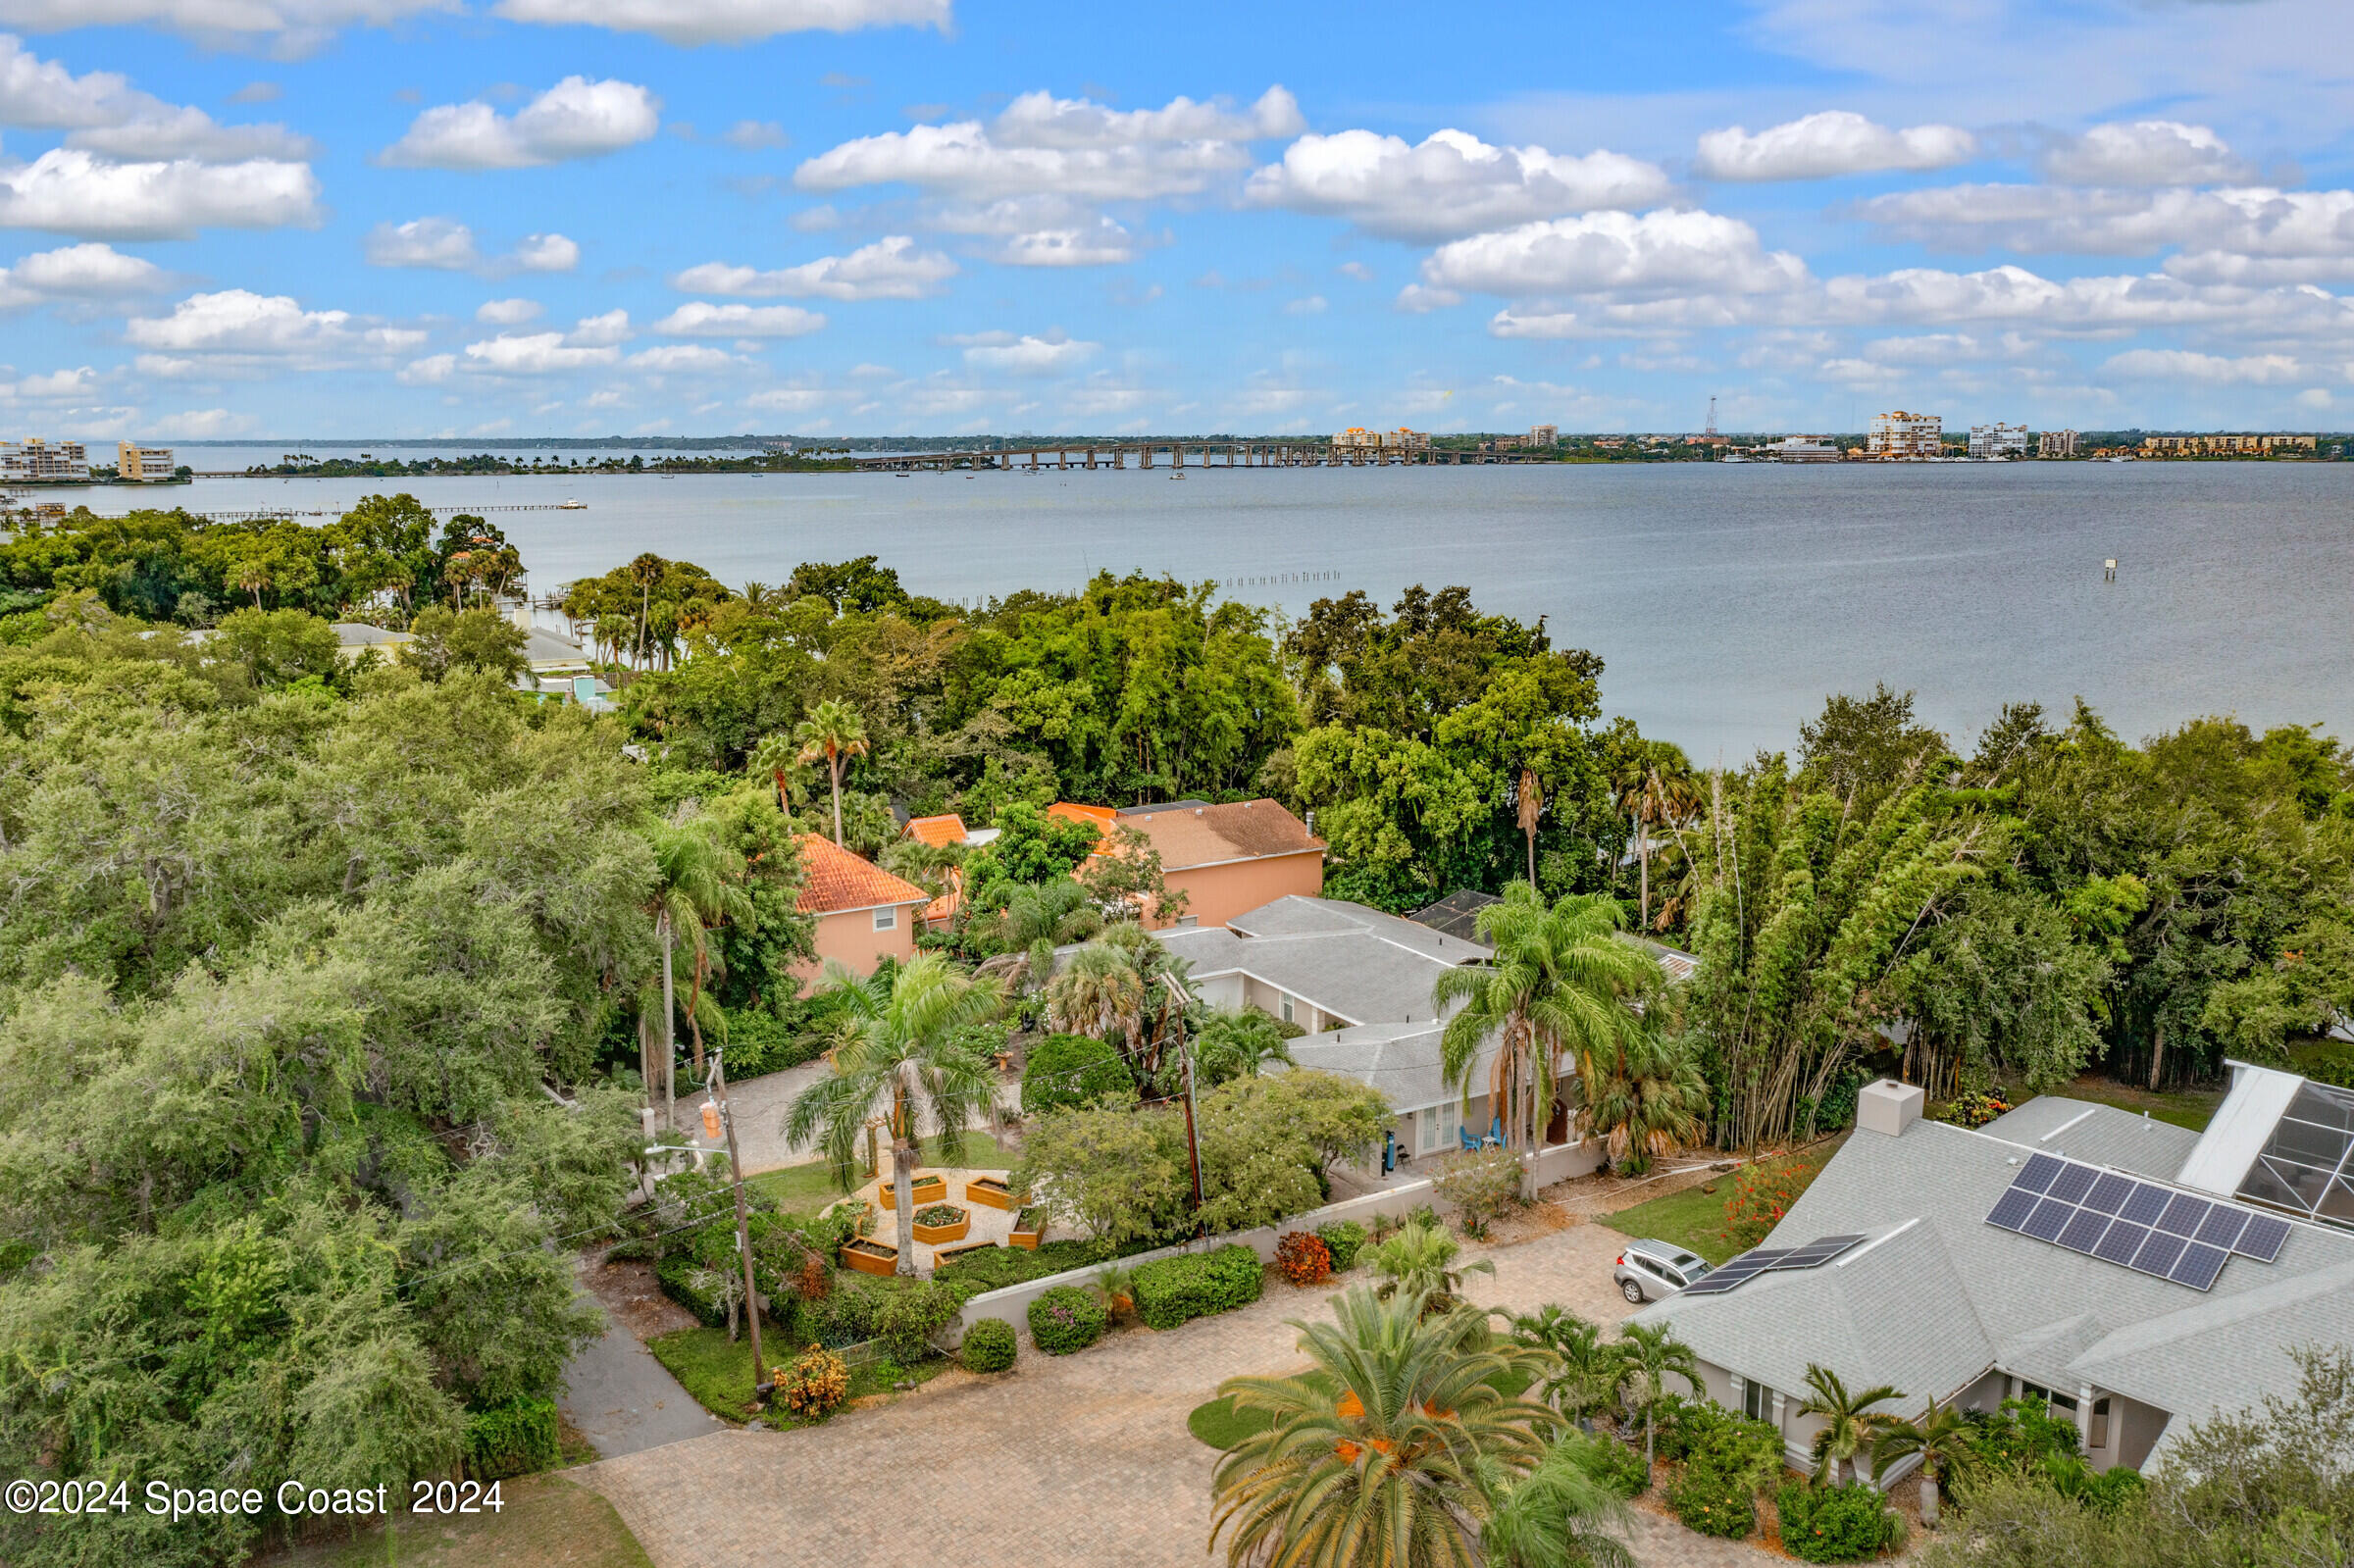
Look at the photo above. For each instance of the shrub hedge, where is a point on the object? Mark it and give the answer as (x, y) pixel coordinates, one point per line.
(1065, 1319)
(1714, 1503)
(511, 1439)
(684, 1281)
(1833, 1524)
(989, 1345)
(1615, 1465)
(994, 1268)
(1170, 1291)
(1344, 1239)
(913, 1312)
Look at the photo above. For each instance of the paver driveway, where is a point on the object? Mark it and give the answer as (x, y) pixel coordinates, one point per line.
(1079, 1461)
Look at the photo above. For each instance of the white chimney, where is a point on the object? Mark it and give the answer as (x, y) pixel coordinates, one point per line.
(1888, 1107)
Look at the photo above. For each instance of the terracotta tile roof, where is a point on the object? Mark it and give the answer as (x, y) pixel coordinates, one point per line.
(835, 880)
(1204, 835)
(948, 830)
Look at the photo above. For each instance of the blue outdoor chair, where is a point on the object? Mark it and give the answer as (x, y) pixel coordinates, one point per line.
(1493, 1140)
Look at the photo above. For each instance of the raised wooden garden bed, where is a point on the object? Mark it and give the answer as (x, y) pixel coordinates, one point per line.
(989, 1192)
(928, 1190)
(948, 1252)
(870, 1257)
(1028, 1239)
(954, 1230)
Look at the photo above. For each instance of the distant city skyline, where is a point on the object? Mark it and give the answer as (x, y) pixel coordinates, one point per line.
(480, 218)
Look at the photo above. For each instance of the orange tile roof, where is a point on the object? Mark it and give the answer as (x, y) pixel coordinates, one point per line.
(1204, 835)
(1099, 818)
(948, 830)
(834, 880)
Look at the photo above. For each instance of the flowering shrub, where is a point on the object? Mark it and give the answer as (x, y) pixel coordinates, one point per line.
(1714, 1503)
(1762, 1193)
(1974, 1109)
(814, 1386)
(989, 1345)
(1833, 1524)
(1302, 1258)
(1483, 1186)
(1065, 1319)
(941, 1214)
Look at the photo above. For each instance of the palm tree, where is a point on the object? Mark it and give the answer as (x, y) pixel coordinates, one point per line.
(1415, 1263)
(1392, 1450)
(1648, 1354)
(1586, 1367)
(1850, 1425)
(1561, 980)
(646, 570)
(1099, 991)
(1559, 1516)
(1656, 792)
(1232, 1045)
(904, 1065)
(1941, 1437)
(1531, 806)
(832, 733)
(694, 874)
(1646, 1096)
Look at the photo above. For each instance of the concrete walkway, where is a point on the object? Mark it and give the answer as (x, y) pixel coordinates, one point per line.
(1065, 1462)
(625, 1402)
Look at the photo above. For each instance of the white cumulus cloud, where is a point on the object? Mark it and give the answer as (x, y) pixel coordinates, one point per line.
(507, 312)
(693, 22)
(101, 111)
(239, 320)
(1608, 252)
(2146, 152)
(1102, 243)
(438, 242)
(891, 268)
(547, 253)
(701, 319)
(1450, 184)
(574, 118)
(1833, 143)
(1025, 355)
(71, 191)
(681, 357)
(2174, 364)
(88, 271)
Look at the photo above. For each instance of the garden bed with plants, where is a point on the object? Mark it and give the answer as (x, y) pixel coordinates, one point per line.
(925, 1189)
(1029, 1229)
(938, 1223)
(990, 1192)
(869, 1256)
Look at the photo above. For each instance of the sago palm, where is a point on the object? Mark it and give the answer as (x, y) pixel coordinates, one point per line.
(1585, 1369)
(1850, 1423)
(1562, 983)
(904, 1064)
(1648, 1354)
(1392, 1451)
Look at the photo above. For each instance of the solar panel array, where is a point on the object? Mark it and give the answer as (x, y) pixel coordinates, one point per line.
(2142, 1226)
(1749, 1265)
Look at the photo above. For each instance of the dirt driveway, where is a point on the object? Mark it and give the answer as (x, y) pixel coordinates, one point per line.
(1079, 1461)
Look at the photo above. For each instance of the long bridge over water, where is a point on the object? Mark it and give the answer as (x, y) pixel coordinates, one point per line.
(1176, 455)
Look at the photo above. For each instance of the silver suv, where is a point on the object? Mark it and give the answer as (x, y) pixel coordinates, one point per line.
(1650, 1271)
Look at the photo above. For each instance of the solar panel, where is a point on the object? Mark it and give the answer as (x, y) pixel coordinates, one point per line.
(2072, 1183)
(1816, 1253)
(2145, 1206)
(2184, 1215)
(1714, 1284)
(2084, 1232)
(2159, 1254)
(2049, 1219)
(2222, 1228)
(2198, 1266)
(2011, 1212)
(2121, 1242)
(2109, 1194)
(2262, 1238)
(2038, 1177)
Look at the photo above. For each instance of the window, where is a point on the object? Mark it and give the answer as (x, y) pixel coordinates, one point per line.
(1438, 1126)
(1757, 1401)
(888, 917)
(2100, 1423)
(1287, 1009)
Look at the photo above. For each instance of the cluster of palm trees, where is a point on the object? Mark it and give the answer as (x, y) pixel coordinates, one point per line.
(1661, 797)
(1853, 1426)
(1568, 995)
(699, 885)
(834, 733)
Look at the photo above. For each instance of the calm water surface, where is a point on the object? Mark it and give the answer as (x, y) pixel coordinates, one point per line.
(1725, 599)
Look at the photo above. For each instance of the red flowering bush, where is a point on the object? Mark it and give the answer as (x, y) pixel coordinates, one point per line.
(1302, 1258)
(1762, 1193)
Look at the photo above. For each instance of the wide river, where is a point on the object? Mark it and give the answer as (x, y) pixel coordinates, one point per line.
(1726, 600)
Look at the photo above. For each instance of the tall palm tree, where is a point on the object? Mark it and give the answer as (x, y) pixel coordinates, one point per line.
(1558, 1516)
(1416, 1263)
(1586, 1369)
(1531, 806)
(646, 570)
(1646, 1097)
(1560, 981)
(1850, 1423)
(904, 1065)
(1656, 792)
(694, 874)
(832, 733)
(1649, 1353)
(1099, 991)
(1941, 1437)
(1391, 1451)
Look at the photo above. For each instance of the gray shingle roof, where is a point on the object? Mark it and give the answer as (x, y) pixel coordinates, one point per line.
(2098, 1134)
(1402, 1060)
(1912, 1314)
(1357, 963)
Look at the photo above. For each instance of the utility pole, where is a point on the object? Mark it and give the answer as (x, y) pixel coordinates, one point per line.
(716, 1109)
(1193, 1146)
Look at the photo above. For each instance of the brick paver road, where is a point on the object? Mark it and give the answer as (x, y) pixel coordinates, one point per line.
(1079, 1461)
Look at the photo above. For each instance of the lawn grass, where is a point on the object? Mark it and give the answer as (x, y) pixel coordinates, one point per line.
(808, 1189)
(545, 1520)
(718, 1370)
(2192, 1108)
(1694, 1219)
(1221, 1423)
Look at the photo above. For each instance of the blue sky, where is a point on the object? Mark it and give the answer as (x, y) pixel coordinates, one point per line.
(370, 218)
